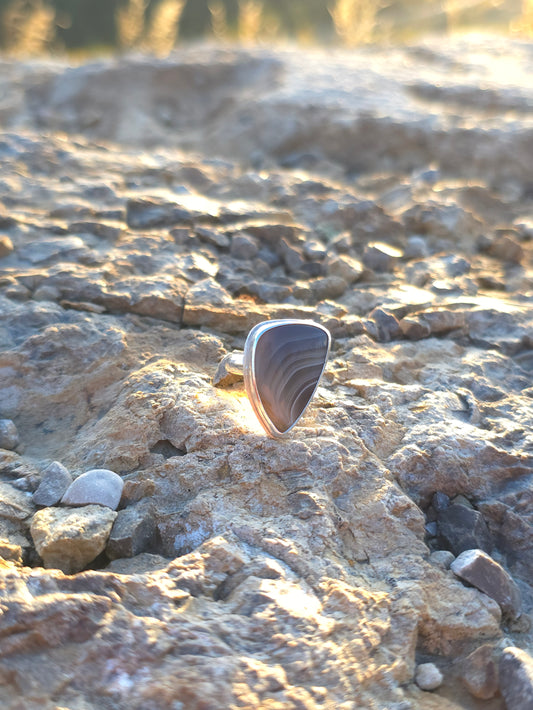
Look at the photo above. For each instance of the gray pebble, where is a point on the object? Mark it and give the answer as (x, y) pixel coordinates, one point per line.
(244, 246)
(428, 676)
(99, 486)
(9, 438)
(381, 257)
(54, 483)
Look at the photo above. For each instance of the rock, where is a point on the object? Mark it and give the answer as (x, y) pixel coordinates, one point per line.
(14, 504)
(479, 673)
(516, 678)
(346, 267)
(10, 551)
(442, 558)
(9, 438)
(71, 539)
(98, 486)
(428, 676)
(381, 257)
(462, 528)
(293, 572)
(244, 246)
(213, 237)
(506, 249)
(382, 325)
(54, 482)
(133, 531)
(140, 564)
(6, 246)
(150, 213)
(416, 247)
(480, 570)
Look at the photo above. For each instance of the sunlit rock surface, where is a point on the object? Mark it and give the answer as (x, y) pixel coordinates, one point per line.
(151, 213)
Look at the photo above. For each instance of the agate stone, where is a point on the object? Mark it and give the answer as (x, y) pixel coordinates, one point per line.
(287, 361)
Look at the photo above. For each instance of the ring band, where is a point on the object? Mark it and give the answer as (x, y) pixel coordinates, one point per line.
(282, 363)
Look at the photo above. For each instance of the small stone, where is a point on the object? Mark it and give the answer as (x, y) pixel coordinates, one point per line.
(386, 325)
(291, 256)
(440, 501)
(381, 257)
(326, 287)
(516, 678)
(133, 531)
(140, 564)
(244, 246)
(6, 246)
(71, 539)
(442, 558)
(54, 483)
(414, 329)
(46, 293)
(463, 528)
(14, 504)
(10, 551)
(346, 267)
(416, 247)
(506, 249)
(428, 676)
(313, 249)
(211, 236)
(98, 486)
(480, 673)
(481, 571)
(145, 214)
(9, 438)
(209, 292)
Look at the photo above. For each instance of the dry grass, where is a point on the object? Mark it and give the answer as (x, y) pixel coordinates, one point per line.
(28, 27)
(130, 23)
(250, 20)
(164, 27)
(219, 20)
(354, 20)
(524, 24)
(158, 35)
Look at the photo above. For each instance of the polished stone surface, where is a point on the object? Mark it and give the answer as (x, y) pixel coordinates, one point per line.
(288, 362)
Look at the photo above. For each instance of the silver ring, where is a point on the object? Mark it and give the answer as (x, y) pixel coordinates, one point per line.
(282, 363)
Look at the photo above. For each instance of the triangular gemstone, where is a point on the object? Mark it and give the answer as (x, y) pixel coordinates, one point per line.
(288, 361)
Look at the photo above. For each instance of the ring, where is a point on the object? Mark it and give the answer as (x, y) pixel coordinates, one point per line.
(282, 363)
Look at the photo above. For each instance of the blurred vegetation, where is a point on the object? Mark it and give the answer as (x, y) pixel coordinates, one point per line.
(36, 26)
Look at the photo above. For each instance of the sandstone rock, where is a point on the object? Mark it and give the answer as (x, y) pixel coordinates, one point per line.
(71, 539)
(54, 483)
(480, 673)
(98, 486)
(480, 570)
(428, 676)
(290, 573)
(14, 504)
(9, 438)
(516, 678)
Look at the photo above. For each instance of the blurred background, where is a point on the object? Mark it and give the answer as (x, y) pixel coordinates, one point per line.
(85, 27)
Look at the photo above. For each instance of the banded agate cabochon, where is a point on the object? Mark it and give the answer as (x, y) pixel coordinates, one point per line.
(288, 362)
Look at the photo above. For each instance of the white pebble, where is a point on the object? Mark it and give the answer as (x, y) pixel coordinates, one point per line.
(428, 676)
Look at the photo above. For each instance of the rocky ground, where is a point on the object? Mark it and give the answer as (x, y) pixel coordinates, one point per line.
(151, 212)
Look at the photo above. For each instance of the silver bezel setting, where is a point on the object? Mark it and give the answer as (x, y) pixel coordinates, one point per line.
(250, 383)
